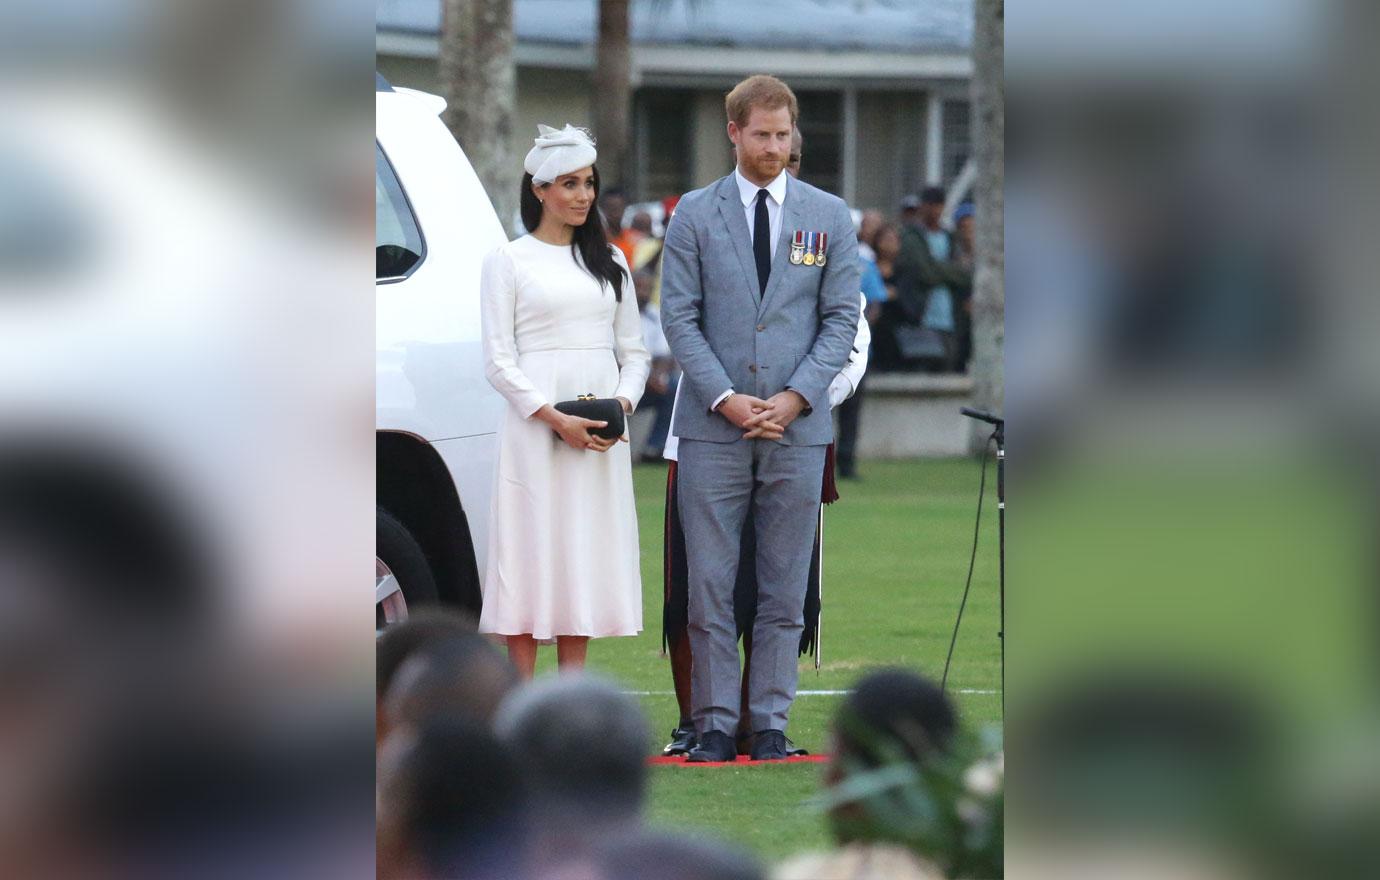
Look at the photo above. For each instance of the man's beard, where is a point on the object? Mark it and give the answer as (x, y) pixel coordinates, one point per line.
(763, 166)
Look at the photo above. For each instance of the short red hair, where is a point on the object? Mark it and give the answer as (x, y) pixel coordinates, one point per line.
(763, 91)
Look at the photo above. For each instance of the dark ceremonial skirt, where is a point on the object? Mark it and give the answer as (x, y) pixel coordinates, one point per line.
(675, 609)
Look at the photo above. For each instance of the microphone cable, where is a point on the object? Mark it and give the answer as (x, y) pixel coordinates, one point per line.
(972, 560)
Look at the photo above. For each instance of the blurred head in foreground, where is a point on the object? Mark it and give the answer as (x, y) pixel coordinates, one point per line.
(583, 745)
(451, 803)
(452, 672)
(425, 630)
(890, 715)
(903, 773)
(892, 719)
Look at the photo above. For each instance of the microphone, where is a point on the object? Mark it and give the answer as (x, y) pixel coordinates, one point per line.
(982, 416)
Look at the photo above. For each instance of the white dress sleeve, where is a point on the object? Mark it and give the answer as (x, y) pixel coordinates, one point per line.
(634, 362)
(498, 307)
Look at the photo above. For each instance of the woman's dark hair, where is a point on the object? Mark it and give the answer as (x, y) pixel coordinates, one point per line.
(590, 247)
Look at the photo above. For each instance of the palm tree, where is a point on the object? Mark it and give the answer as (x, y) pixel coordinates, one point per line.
(478, 79)
(989, 281)
(612, 97)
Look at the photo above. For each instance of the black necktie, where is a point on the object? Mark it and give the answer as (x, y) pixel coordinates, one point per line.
(761, 241)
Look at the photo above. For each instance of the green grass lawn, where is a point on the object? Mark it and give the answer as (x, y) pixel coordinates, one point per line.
(896, 549)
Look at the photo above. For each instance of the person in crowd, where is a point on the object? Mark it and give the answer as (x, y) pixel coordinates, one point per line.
(458, 673)
(898, 305)
(929, 253)
(660, 855)
(452, 802)
(867, 233)
(909, 210)
(797, 152)
(966, 248)
(425, 626)
(614, 204)
(582, 742)
(891, 718)
(874, 285)
(560, 320)
(647, 252)
(642, 224)
(665, 376)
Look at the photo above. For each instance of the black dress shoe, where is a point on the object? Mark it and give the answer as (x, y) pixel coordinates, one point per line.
(769, 745)
(745, 741)
(714, 746)
(682, 741)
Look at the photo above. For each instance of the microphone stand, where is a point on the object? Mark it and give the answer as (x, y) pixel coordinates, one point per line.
(998, 434)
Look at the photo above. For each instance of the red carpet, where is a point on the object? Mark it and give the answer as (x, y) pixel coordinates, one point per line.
(679, 760)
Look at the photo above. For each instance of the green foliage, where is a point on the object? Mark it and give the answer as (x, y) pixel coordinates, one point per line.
(946, 808)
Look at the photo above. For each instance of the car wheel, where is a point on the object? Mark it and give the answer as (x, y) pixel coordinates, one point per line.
(402, 576)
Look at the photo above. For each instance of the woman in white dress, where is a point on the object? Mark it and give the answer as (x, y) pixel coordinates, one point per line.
(560, 320)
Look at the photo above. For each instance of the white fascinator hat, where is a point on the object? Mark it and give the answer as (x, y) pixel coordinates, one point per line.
(559, 151)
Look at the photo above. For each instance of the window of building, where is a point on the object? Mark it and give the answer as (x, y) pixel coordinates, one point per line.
(663, 136)
(821, 130)
(398, 245)
(957, 140)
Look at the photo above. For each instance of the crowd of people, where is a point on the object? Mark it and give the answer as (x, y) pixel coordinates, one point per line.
(482, 774)
(917, 278)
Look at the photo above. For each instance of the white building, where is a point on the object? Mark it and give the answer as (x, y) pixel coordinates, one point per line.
(882, 84)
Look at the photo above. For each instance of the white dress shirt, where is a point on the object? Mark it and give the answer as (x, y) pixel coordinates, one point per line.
(776, 196)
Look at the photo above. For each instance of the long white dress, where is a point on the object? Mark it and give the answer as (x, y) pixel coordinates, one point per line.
(563, 550)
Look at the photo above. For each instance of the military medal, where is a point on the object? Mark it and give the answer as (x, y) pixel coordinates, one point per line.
(823, 246)
(798, 247)
(810, 251)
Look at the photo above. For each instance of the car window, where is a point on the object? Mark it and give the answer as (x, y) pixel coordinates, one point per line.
(398, 244)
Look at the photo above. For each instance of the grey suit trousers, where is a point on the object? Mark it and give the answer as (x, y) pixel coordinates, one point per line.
(717, 484)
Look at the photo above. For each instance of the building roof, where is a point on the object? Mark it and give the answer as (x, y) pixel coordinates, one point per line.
(944, 26)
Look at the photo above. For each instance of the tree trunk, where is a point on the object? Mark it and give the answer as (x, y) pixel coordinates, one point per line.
(612, 92)
(479, 82)
(989, 280)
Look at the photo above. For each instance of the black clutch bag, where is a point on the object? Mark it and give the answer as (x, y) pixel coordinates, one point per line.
(598, 409)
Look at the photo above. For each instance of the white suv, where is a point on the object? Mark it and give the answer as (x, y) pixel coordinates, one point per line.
(437, 416)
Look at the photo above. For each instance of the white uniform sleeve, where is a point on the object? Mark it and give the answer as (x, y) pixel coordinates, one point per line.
(848, 379)
(671, 452)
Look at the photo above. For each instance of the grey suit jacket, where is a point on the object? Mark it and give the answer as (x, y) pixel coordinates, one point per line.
(798, 334)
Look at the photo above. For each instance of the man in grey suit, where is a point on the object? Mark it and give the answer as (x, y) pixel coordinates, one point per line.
(760, 306)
